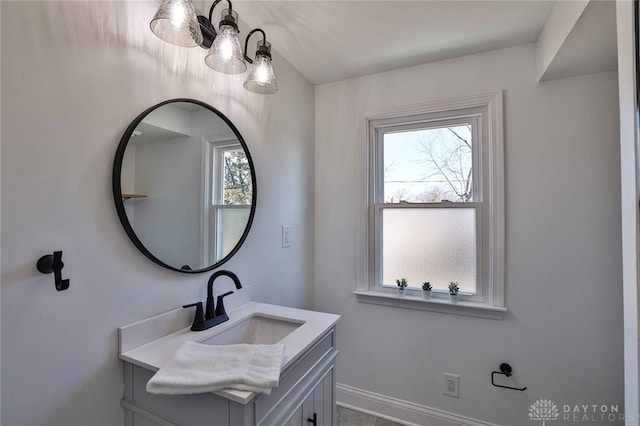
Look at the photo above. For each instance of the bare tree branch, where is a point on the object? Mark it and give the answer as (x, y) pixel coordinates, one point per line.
(460, 137)
(451, 165)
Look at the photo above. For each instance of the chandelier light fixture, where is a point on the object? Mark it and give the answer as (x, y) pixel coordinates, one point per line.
(177, 22)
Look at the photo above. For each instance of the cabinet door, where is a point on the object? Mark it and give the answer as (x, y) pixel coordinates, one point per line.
(308, 410)
(311, 401)
(324, 401)
(318, 408)
(301, 413)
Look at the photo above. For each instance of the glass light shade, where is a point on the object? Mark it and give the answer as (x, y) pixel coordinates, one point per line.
(225, 54)
(262, 79)
(176, 22)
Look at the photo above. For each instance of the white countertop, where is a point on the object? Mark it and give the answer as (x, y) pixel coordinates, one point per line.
(315, 325)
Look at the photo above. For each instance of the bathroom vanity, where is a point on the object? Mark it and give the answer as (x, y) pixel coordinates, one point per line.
(200, 136)
(306, 391)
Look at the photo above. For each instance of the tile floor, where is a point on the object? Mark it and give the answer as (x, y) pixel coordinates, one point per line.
(348, 417)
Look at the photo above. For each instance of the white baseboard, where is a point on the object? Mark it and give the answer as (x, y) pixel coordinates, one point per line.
(399, 411)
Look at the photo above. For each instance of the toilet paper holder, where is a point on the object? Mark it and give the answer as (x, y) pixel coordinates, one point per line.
(505, 370)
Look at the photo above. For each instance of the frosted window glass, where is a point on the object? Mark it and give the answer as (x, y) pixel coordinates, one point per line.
(231, 225)
(436, 245)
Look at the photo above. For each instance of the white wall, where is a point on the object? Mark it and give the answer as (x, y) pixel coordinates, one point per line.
(0, 222)
(563, 332)
(168, 172)
(627, 50)
(74, 75)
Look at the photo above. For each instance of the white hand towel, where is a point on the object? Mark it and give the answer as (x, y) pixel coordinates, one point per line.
(198, 368)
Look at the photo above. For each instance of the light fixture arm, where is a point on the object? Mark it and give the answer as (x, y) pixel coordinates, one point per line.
(214, 5)
(209, 32)
(265, 50)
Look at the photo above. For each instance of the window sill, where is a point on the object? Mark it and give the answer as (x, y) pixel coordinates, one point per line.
(472, 309)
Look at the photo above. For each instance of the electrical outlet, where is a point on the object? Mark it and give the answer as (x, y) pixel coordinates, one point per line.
(452, 385)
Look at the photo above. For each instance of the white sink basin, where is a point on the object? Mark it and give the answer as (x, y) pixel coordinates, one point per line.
(256, 329)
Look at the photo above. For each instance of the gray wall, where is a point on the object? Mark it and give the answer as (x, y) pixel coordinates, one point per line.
(563, 334)
(74, 75)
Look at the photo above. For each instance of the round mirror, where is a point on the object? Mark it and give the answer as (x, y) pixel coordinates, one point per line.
(184, 185)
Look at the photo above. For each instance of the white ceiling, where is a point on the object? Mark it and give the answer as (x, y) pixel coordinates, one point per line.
(334, 40)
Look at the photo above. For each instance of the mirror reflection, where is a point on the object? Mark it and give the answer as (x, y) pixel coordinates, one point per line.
(186, 185)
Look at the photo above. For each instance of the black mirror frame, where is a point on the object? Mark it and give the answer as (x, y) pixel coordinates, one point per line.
(117, 187)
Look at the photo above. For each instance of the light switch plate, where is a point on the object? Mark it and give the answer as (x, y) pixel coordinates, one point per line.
(286, 236)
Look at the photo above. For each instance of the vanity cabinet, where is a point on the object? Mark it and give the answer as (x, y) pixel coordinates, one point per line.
(318, 407)
(306, 392)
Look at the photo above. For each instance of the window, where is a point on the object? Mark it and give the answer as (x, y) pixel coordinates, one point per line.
(227, 200)
(434, 205)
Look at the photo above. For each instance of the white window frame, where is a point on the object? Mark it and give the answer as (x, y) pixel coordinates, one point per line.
(488, 201)
(212, 194)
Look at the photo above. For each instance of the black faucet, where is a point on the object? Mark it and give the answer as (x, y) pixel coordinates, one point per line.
(210, 312)
(213, 315)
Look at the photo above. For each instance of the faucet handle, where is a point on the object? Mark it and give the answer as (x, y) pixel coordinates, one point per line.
(198, 319)
(220, 304)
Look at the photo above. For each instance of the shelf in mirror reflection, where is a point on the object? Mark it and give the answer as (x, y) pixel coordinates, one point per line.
(127, 196)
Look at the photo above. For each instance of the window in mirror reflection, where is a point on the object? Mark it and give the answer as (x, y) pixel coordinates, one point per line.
(229, 177)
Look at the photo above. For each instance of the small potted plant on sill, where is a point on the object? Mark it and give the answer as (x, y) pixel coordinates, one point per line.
(402, 286)
(426, 290)
(453, 291)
